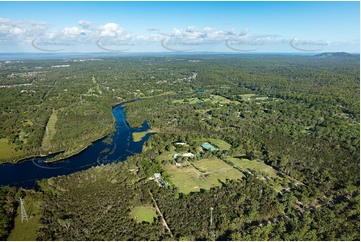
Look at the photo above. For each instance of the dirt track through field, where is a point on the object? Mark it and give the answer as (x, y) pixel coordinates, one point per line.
(160, 213)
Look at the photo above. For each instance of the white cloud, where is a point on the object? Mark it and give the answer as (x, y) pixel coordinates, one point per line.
(85, 24)
(16, 31)
(72, 31)
(4, 20)
(207, 34)
(110, 29)
(20, 30)
(87, 34)
(208, 29)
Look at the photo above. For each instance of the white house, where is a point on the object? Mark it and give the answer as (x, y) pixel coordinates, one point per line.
(179, 143)
(183, 155)
(188, 155)
(176, 155)
(156, 176)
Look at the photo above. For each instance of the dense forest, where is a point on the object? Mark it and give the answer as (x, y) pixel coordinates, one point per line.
(285, 130)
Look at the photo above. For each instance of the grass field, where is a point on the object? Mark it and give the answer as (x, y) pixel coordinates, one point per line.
(257, 166)
(138, 136)
(187, 179)
(255, 97)
(247, 96)
(209, 174)
(221, 100)
(221, 144)
(192, 100)
(214, 99)
(27, 229)
(262, 169)
(211, 165)
(217, 170)
(144, 213)
(50, 131)
(7, 151)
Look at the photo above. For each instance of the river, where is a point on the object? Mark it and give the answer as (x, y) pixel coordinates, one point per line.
(122, 145)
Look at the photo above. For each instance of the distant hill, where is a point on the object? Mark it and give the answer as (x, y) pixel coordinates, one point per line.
(334, 54)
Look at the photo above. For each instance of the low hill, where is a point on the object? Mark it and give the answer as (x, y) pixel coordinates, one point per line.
(335, 54)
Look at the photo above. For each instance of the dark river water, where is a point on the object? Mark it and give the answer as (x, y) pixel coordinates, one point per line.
(118, 147)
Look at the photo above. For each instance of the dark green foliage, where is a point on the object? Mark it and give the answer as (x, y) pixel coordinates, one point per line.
(8, 205)
(95, 205)
(303, 120)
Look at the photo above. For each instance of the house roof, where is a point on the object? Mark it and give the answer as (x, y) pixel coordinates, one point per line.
(208, 146)
(183, 155)
(187, 155)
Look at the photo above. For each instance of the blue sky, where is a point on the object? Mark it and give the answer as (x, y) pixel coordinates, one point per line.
(179, 26)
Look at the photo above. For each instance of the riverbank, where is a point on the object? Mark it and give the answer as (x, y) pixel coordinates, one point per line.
(63, 154)
(138, 136)
(117, 148)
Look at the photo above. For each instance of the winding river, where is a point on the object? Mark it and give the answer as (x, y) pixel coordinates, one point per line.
(122, 145)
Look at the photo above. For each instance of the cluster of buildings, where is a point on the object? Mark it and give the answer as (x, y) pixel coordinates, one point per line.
(158, 177)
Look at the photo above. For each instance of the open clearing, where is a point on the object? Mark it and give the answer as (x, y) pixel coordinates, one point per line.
(138, 136)
(27, 229)
(211, 165)
(187, 179)
(219, 143)
(7, 150)
(50, 131)
(257, 166)
(214, 99)
(256, 97)
(209, 174)
(144, 213)
(247, 96)
(264, 171)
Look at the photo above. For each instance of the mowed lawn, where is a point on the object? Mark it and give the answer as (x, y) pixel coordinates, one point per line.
(216, 169)
(144, 213)
(7, 151)
(187, 179)
(209, 173)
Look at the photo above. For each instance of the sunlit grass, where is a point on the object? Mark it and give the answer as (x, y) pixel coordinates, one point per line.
(144, 213)
(26, 230)
(7, 151)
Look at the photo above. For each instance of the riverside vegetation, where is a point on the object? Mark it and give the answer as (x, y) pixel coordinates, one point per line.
(285, 128)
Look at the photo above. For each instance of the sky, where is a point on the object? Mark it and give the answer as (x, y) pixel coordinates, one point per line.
(238, 27)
